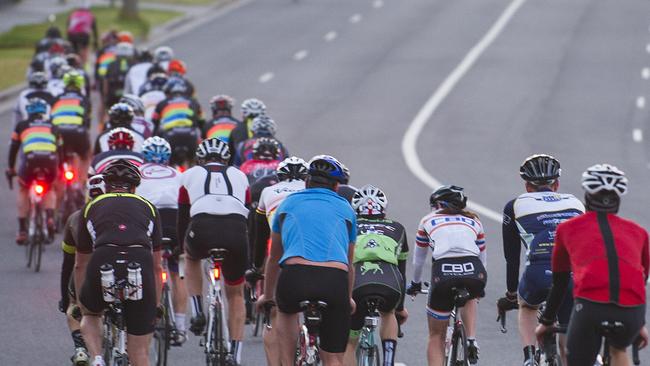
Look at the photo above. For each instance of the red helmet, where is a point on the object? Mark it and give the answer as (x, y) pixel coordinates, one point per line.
(125, 36)
(176, 66)
(120, 138)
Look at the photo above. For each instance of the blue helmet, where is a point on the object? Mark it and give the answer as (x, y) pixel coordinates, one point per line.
(328, 167)
(156, 150)
(36, 106)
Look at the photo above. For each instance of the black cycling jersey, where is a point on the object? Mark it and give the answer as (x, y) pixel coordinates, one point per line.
(69, 247)
(120, 219)
(259, 230)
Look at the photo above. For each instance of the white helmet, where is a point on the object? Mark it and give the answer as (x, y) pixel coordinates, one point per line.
(124, 49)
(369, 200)
(213, 148)
(162, 54)
(252, 107)
(604, 177)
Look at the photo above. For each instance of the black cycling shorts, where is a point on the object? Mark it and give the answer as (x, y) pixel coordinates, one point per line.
(139, 315)
(226, 232)
(372, 279)
(183, 142)
(168, 221)
(298, 283)
(583, 338)
(75, 140)
(449, 273)
(41, 166)
(79, 41)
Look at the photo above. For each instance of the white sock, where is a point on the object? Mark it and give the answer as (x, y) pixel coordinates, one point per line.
(180, 321)
(98, 361)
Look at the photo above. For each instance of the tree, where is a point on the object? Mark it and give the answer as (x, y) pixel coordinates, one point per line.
(130, 10)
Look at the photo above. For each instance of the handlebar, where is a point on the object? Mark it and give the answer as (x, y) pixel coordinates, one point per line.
(635, 352)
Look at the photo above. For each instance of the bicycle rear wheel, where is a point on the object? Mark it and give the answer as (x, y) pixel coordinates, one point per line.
(301, 347)
(38, 238)
(458, 350)
(218, 351)
(108, 340)
(162, 333)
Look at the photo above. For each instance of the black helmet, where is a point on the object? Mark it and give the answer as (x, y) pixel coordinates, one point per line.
(449, 196)
(53, 32)
(540, 169)
(329, 168)
(121, 115)
(122, 174)
(266, 148)
(37, 79)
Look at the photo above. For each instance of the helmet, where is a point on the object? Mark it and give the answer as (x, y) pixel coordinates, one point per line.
(125, 49)
(221, 102)
(213, 148)
(449, 196)
(176, 67)
(56, 66)
(176, 86)
(73, 80)
(156, 150)
(96, 186)
(37, 80)
(252, 107)
(266, 148)
(73, 60)
(327, 167)
(604, 177)
(263, 125)
(53, 32)
(292, 168)
(109, 37)
(162, 53)
(125, 37)
(134, 102)
(122, 173)
(36, 106)
(120, 138)
(369, 200)
(158, 81)
(540, 169)
(144, 55)
(120, 115)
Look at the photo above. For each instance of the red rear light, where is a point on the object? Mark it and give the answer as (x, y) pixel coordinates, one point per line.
(164, 276)
(181, 168)
(216, 273)
(69, 175)
(39, 189)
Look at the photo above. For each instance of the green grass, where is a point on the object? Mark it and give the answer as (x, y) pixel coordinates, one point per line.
(17, 44)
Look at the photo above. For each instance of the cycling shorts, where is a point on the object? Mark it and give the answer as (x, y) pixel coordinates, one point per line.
(168, 220)
(298, 283)
(449, 273)
(139, 315)
(372, 279)
(220, 231)
(183, 142)
(75, 140)
(38, 166)
(535, 285)
(583, 338)
(79, 41)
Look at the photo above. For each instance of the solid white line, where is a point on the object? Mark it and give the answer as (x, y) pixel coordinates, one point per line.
(266, 77)
(378, 4)
(637, 135)
(640, 102)
(645, 73)
(300, 55)
(409, 142)
(330, 36)
(356, 18)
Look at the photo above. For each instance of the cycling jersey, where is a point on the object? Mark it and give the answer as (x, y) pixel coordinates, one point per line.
(150, 99)
(214, 189)
(602, 273)
(244, 150)
(240, 133)
(121, 220)
(55, 87)
(136, 77)
(255, 169)
(33, 136)
(316, 224)
(220, 128)
(71, 110)
(380, 239)
(105, 58)
(531, 220)
(115, 76)
(81, 21)
(451, 236)
(272, 196)
(258, 187)
(159, 185)
(20, 111)
(142, 126)
(101, 144)
(102, 160)
(177, 112)
(69, 247)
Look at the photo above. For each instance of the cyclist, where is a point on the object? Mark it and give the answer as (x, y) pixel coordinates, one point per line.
(610, 261)
(120, 147)
(159, 185)
(262, 127)
(212, 211)
(117, 228)
(57, 67)
(162, 55)
(74, 61)
(35, 138)
(120, 115)
(266, 157)
(531, 220)
(346, 190)
(81, 22)
(113, 82)
(300, 256)
(250, 108)
(37, 88)
(68, 302)
(380, 270)
(456, 238)
(152, 93)
(137, 74)
(222, 122)
(52, 35)
(139, 124)
(178, 119)
(177, 69)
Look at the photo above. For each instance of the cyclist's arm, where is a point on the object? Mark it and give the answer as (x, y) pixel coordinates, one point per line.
(14, 146)
(511, 247)
(272, 268)
(401, 265)
(66, 272)
(84, 251)
(261, 237)
(421, 251)
(183, 216)
(561, 266)
(480, 242)
(645, 257)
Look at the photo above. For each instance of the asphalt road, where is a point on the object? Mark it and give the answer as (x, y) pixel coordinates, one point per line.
(347, 78)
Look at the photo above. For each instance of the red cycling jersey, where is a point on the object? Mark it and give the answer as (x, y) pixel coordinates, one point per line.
(580, 247)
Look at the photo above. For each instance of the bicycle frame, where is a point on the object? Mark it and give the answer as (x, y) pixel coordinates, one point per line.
(115, 327)
(456, 342)
(36, 231)
(307, 352)
(367, 350)
(216, 307)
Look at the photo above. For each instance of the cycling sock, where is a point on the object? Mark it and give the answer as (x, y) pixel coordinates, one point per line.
(235, 349)
(529, 352)
(197, 305)
(180, 321)
(389, 345)
(22, 224)
(78, 339)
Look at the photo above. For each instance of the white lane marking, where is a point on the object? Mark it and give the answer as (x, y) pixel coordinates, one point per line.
(330, 36)
(403, 364)
(266, 77)
(645, 73)
(356, 18)
(647, 48)
(300, 55)
(409, 142)
(637, 135)
(640, 102)
(378, 4)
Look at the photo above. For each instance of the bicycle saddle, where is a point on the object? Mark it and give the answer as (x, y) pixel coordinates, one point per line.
(313, 305)
(217, 254)
(608, 328)
(461, 296)
(373, 302)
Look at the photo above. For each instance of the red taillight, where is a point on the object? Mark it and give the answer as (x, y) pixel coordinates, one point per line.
(39, 189)
(181, 168)
(216, 273)
(164, 276)
(69, 175)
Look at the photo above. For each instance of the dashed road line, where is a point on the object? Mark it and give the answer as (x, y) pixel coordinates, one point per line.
(647, 48)
(409, 142)
(356, 18)
(330, 36)
(378, 4)
(266, 77)
(637, 135)
(300, 55)
(645, 73)
(640, 102)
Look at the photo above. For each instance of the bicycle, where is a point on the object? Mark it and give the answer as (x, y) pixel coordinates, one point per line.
(165, 329)
(607, 329)
(307, 349)
(216, 339)
(367, 349)
(253, 279)
(73, 196)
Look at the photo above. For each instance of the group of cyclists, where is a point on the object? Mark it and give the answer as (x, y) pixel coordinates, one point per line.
(159, 169)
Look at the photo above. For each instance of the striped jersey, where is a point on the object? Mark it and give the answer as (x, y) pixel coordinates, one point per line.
(451, 236)
(104, 60)
(70, 109)
(34, 137)
(176, 112)
(220, 128)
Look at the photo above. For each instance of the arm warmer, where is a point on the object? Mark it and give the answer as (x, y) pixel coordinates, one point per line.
(511, 246)
(556, 295)
(418, 261)
(401, 265)
(66, 272)
(13, 153)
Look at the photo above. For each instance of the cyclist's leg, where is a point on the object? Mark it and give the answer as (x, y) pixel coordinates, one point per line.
(533, 288)
(138, 349)
(179, 290)
(474, 282)
(436, 343)
(287, 336)
(633, 319)
(288, 305)
(583, 339)
(196, 248)
(356, 319)
(439, 307)
(270, 339)
(91, 300)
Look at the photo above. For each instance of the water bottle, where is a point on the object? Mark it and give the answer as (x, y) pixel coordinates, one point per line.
(108, 281)
(134, 276)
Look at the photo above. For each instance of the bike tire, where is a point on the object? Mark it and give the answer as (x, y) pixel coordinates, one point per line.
(107, 342)
(30, 252)
(258, 324)
(39, 255)
(301, 347)
(162, 333)
(219, 356)
(462, 349)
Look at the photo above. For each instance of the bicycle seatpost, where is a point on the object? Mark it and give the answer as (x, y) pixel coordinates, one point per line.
(635, 352)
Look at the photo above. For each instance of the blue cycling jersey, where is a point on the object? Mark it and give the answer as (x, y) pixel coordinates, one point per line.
(316, 224)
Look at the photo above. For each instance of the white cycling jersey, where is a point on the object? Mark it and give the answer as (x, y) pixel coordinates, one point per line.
(272, 196)
(214, 189)
(160, 185)
(55, 87)
(136, 77)
(150, 101)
